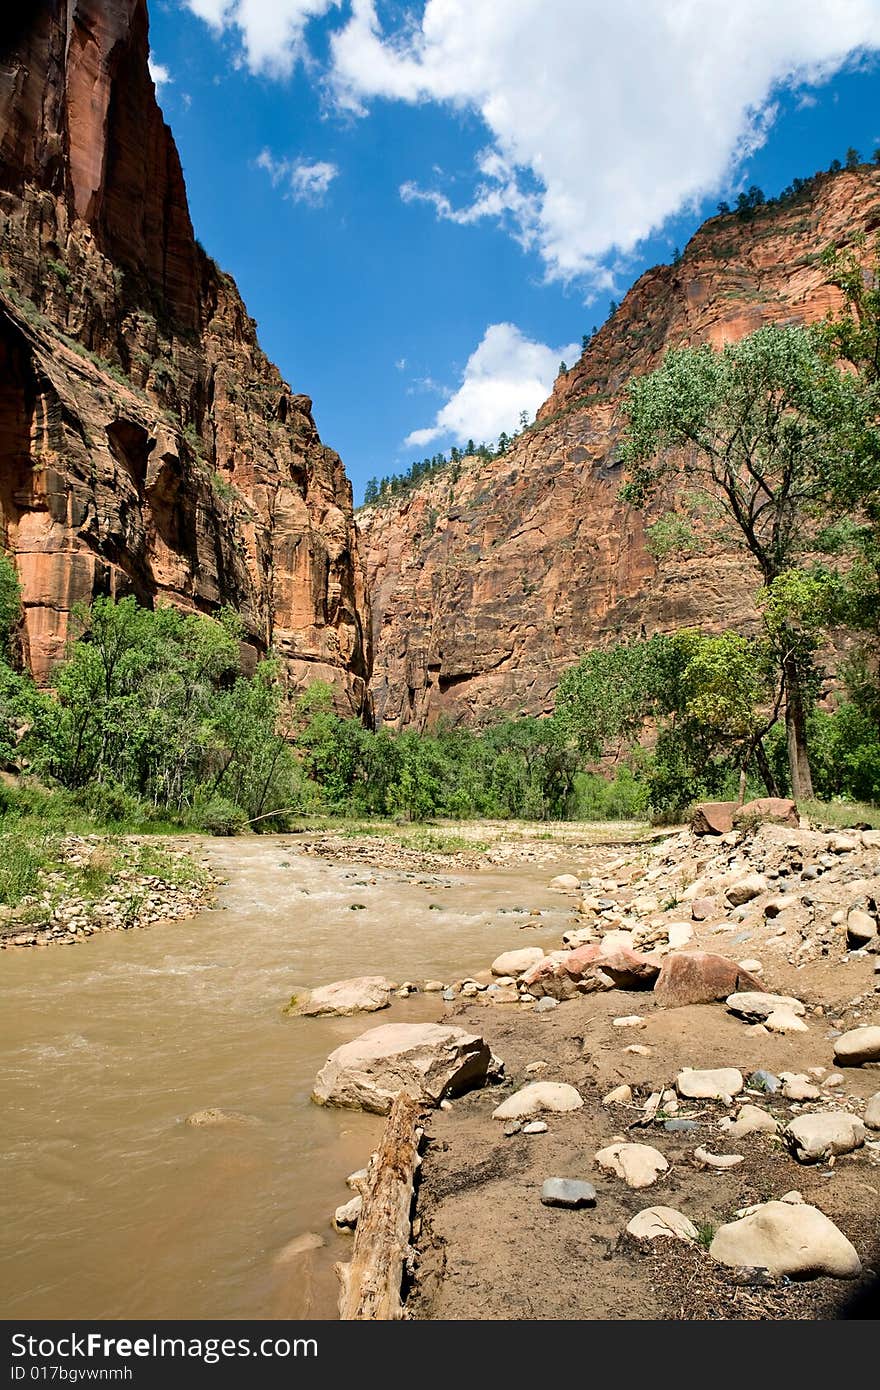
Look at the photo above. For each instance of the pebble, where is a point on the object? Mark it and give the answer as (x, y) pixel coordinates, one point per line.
(345, 1218)
(535, 1127)
(655, 1222)
(639, 1165)
(537, 1096)
(638, 1050)
(546, 1005)
(629, 1021)
(568, 1192)
(762, 1080)
(680, 1126)
(708, 1160)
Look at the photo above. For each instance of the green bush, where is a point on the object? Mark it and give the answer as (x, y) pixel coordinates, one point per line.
(218, 817)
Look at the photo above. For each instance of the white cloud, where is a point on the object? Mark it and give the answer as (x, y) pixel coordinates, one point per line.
(271, 31)
(306, 182)
(160, 74)
(506, 374)
(605, 118)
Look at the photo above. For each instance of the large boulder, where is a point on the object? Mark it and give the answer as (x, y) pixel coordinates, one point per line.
(713, 818)
(775, 810)
(517, 962)
(787, 1238)
(363, 994)
(594, 966)
(699, 977)
(429, 1061)
(810, 1138)
(857, 1046)
(741, 892)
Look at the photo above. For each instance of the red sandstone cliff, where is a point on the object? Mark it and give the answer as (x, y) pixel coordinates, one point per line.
(147, 445)
(485, 586)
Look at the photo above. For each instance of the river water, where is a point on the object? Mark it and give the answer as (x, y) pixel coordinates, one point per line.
(111, 1206)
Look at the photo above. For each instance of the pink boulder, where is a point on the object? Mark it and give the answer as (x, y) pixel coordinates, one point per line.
(778, 810)
(713, 817)
(589, 968)
(698, 977)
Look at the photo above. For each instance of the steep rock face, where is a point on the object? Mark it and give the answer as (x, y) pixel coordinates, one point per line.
(147, 445)
(490, 579)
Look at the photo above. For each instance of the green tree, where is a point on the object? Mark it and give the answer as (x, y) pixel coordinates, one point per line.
(763, 427)
(853, 158)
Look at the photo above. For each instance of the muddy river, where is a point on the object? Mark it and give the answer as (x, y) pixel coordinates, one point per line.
(113, 1207)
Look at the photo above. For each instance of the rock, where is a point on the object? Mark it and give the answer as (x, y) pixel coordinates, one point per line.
(207, 1119)
(785, 1020)
(546, 1006)
(535, 1127)
(449, 995)
(433, 987)
(796, 1086)
(754, 967)
(752, 886)
(698, 977)
(786, 1238)
(593, 966)
(427, 1060)
(857, 1046)
(872, 1111)
(776, 906)
(355, 1180)
(620, 1095)
(628, 1021)
(755, 1006)
(762, 1080)
(751, 1120)
(655, 1222)
(830, 1132)
(638, 1050)
(678, 934)
(536, 1097)
(565, 883)
(680, 1126)
(842, 844)
(713, 817)
(639, 1165)
(705, 1159)
(534, 1067)
(860, 927)
(703, 908)
(718, 1084)
(517, 962)
(772, 810)
(512, 1127)
(363, 994)
(568, 1192)
(345, 1218)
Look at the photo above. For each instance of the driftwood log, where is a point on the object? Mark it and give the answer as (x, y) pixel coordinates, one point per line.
(372, 1281)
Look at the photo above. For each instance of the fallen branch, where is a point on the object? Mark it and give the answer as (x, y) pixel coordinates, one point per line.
(372, 1281)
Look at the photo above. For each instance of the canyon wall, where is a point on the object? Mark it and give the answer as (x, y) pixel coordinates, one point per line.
(147, 446)
(491, 577)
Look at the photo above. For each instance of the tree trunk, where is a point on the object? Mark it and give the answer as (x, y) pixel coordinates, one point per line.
(796, 732)
(765, 769)
(372, 1282)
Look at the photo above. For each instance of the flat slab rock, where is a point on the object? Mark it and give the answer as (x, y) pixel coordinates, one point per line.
(811, 1138)
(362, 994)
(787, 1238)
(701, 977)
(639, 1165)
(755, 1005)
(656, 1222)
(568, 1192)
(429, 1061)
(713, 1084)
(538, 1096)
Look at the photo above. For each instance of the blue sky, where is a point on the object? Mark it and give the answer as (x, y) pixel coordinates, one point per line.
(425, 207)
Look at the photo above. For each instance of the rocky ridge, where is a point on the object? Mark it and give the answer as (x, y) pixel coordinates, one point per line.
(488, 579)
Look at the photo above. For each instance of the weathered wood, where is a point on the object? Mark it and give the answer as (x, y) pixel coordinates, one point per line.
(371, 1283)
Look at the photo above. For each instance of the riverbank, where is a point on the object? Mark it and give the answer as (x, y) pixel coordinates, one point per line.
(59, 889)
(487, 1247)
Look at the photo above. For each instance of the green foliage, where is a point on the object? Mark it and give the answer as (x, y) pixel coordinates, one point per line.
(671, 534)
